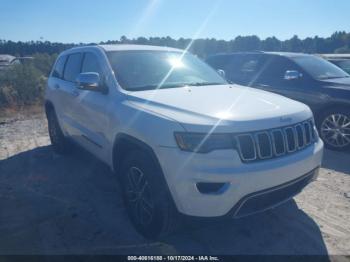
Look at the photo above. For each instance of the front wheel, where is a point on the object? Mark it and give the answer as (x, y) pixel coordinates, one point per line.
(334, 128)
(148, 201)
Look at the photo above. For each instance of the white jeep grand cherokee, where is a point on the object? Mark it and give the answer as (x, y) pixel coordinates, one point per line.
(181, 139)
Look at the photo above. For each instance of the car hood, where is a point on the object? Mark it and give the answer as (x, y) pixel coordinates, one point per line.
(227, 108)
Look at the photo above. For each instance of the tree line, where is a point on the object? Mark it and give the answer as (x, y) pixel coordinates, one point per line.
(25, 83)
(338, 42)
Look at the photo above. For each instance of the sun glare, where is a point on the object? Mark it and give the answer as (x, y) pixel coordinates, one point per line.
(176, 62)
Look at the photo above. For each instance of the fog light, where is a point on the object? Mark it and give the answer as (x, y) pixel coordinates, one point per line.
(211, 188)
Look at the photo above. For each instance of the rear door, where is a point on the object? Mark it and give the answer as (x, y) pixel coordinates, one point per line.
(69, 92)
(55, 82)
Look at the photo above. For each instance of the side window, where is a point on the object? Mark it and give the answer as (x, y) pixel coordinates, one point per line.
(275, 70)
(58, 70)
(250, 66)
(73, 66)
(218, 62)
(228, 63)
(232, 68)
(90, 64)
(244, 69)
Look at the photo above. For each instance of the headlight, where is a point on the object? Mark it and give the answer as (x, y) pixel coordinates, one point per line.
(203, 143)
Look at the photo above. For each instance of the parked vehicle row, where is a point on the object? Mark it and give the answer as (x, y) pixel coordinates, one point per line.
(321, 85)
(182, 140)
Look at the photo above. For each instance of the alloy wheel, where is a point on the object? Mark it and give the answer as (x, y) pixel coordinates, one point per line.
(139, 197)
(335, 130)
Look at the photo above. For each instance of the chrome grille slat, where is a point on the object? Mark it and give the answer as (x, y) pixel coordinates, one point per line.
(300, 140)
(313, 132)
(241, 152)
(277, 142)
(292, 146)
(258, 144)
(308, 131)
(274, 134)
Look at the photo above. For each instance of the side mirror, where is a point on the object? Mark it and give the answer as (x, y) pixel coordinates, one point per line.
(292, 75)
(89, 81)
(222, 73)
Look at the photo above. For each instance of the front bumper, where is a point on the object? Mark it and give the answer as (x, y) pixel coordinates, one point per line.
(271, 197)
(244, 182)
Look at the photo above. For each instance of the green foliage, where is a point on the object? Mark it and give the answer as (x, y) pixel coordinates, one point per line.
(43, 62)
(23, 84)
(31, 47)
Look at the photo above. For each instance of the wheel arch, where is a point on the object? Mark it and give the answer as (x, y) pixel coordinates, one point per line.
(124, 143)
(329, 107)
(49, 106)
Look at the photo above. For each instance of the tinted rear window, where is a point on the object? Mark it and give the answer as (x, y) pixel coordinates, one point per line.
(73, 66)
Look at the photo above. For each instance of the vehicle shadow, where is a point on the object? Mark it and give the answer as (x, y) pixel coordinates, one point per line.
(72, 205)
(337, 161)
(285, 230)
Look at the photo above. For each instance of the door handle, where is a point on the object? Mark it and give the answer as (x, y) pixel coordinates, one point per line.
(75, 93)
(57, 86)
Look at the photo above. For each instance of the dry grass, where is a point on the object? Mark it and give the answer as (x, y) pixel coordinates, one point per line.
(20, 112)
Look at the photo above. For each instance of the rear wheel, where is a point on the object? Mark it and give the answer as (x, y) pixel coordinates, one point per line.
(59, 142)
(334, 128)
(146, 196)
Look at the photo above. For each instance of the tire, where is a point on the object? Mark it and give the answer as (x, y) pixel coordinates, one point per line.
(146, 195)
(59, 142)
(334, 129)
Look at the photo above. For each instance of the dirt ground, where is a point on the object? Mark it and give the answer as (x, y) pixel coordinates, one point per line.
(51, 204)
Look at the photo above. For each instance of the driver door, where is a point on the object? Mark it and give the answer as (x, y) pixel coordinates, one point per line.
(91, 109)
(273, 79)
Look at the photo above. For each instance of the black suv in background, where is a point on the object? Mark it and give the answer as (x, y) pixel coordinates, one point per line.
(340, 60)
(321, 85)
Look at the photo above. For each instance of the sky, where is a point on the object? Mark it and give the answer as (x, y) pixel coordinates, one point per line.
(74, 21)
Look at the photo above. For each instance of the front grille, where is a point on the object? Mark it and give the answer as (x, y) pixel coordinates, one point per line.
(276, 142)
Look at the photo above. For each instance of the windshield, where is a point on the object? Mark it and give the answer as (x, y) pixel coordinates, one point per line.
(319, 68)
(146, 70)
(343, 64)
